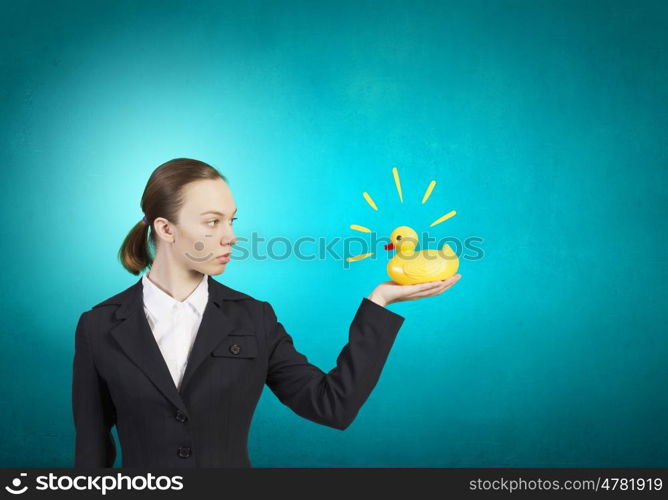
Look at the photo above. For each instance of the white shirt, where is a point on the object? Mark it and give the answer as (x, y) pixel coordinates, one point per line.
(174, 324)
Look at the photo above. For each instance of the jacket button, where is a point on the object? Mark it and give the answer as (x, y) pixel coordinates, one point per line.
(181, 417)
(184, 451)
(235, 349)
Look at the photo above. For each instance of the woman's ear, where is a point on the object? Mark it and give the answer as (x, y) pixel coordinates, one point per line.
(164, 229)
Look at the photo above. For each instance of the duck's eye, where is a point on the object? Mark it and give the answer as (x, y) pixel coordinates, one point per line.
(399, 237)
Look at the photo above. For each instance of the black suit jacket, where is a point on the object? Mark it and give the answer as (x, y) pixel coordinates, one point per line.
(120, 378)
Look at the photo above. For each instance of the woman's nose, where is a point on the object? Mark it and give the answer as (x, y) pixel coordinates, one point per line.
(230, 237)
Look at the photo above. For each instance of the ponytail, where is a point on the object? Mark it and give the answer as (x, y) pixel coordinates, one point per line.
(134, 253)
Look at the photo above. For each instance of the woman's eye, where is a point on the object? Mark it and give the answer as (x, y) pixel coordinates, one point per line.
(213, 222)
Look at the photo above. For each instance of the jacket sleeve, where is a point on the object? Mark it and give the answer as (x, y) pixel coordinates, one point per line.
(333, 398)
(93, 409)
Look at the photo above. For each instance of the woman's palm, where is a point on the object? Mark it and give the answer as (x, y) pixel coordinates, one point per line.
(390, 292)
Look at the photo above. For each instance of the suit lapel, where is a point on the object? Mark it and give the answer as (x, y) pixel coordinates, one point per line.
(135, 337)
(215, 326)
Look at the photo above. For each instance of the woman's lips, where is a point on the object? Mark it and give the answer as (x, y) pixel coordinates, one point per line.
(224, 259)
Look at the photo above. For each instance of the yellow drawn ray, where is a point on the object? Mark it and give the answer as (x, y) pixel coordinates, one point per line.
(427, 193)
(395, 173)
(360, 228)
(445, 217)
(368, 199)
(359, 257)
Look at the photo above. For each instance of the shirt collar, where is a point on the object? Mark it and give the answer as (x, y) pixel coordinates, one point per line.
(160, 303)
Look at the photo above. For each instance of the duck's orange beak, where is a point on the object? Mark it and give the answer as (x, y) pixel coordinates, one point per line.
(389, 246)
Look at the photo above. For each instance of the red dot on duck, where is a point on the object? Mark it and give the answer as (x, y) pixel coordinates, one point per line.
(409, 267)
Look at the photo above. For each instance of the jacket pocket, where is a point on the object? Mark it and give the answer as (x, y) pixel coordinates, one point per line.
(240, 345)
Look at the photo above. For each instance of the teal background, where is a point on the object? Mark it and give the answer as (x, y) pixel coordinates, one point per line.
(543, 123)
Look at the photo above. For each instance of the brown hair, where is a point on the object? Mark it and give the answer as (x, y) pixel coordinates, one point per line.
(163, 197)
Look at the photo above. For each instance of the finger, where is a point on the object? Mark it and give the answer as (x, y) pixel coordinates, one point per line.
(448, 287)
(443, 286)
(407, 289)
(452, 280)
(429, 288)
(426, 293)
(449, 280)
(421, 287)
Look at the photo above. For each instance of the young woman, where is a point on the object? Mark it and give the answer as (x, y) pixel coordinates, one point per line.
(177, 361)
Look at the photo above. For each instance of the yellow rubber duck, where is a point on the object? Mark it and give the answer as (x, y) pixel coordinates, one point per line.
(409, 267)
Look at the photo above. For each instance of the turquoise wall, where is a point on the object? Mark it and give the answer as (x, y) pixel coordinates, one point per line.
(544, 124)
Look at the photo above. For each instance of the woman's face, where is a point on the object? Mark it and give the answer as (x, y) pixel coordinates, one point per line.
(204, 230)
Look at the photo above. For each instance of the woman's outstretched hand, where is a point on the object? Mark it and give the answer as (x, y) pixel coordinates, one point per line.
(389, 292)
